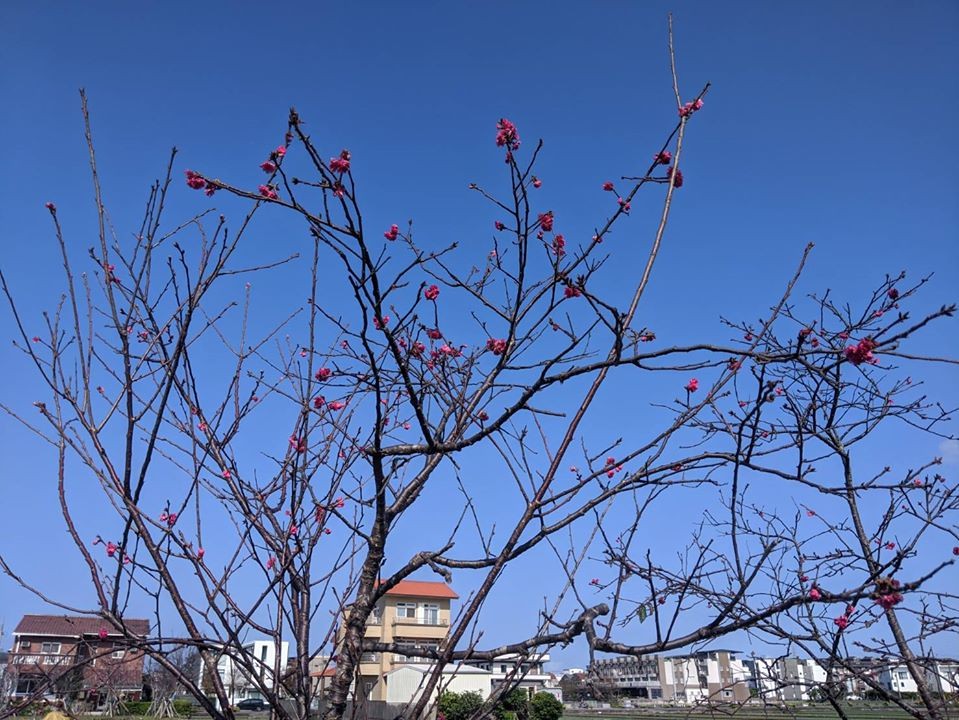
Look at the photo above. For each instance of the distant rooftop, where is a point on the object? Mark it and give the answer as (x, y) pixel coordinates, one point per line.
(75, 625)
(423, 588)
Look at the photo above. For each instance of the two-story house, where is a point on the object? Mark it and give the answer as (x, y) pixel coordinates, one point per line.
(76, 657)
(414, 614)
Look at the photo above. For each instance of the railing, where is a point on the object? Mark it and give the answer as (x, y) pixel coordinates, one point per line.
(374, 620)
(42, 659)
(432, 622)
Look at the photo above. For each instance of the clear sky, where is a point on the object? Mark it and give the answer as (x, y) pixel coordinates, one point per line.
(827, 122)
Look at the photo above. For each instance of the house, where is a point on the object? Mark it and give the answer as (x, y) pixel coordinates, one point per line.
(405, 683)
(526, 672)
(243, 676)
(79, 657)
(414, 614)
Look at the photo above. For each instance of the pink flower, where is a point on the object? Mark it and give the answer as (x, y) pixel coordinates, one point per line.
(50, 206)
(339, 190)
(381, 322)
(678, 179)
(624, 205)
(336, 405)
(319, 401)
(280, 151)
(270, 562)
(497, 347)
(917, 482)
(803, 578)
(392, 233)
(111, 548)
(841, 622)
(692, 386)
(326, 531)
(200, 553)
(572, 291)
(294, 529)
(594, 581)
(298, 444)
(323, 374)
(811, 513)
(194, 180)
(417, 348)
(341, 164)
(171, 519)
(537, 183)
(483, 416)
(268, 191)
(559, 246)
(102, 633)
(507, 135)
(226, 474)
(431, 293)
(269, 167)
(434, 334)
(202, 427)
(339, 503)
(889, 600)
(546, 221)
(36, 338)
(862, 352)
(891, 293)
(663, 158)
(690, 107)
(814, 594)
(890, 546)
(499, 226)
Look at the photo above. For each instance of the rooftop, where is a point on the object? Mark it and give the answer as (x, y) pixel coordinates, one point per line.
(422, 588)
(75, 626)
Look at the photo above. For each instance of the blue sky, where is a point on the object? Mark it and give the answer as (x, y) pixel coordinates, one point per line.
(827, 122)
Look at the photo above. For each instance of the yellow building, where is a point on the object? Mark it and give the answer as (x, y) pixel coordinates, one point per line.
(413, 614)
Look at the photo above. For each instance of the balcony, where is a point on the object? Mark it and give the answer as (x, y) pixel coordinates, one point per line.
(43, 659)
(428, 621)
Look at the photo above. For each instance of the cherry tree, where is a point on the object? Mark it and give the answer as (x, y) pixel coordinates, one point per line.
(251, 475)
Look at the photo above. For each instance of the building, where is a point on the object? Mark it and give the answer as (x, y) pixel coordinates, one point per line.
(240, 682)
(526, 672)
(77, 657)
(414, 614)
(710, 676)
(405, 683)
(785, 679)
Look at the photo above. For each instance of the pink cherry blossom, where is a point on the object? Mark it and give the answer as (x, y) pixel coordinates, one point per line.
(537, 183)
(692, 386)
(814, 593)
(499, 226)
(200, 553)
(608, 186)
(841, 622)
(336, 405)
(341, 164)
(892, 294)
(678, 179)
(392, 233)
(268, 191)
(663, 158)
(194, 180)
(545, 221)
(268, 166)
(431, 293)
(571, 291)
(102, 633)
(434, 334)
(280, 151)
(323, 374)
(496, 346)
(862, 352)
(559, 246)
(270, 562)
(50, 206)
(506, 135)
(111, 548)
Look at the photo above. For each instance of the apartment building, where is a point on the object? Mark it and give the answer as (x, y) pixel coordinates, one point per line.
(785, 679)
(710, 676)
(413, 614)
(75, 657)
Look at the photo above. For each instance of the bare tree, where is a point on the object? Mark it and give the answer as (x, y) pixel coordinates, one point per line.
(156, 377)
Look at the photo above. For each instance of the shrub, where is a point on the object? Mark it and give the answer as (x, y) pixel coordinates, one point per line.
(459, 706)
(544, 706)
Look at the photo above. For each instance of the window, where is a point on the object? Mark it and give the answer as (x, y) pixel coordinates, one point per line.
(405, 610)
(263, 651)
(117, 654)
(24, 644)
(431, 614)
(50, 648)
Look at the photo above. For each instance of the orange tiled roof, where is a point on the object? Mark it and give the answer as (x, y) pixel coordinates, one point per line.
(423, 588)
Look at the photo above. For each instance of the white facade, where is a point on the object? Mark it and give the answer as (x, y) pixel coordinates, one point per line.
(238, 683)
(943, 678)
(898, 680)
(525, 672)
(405, 683)
(785, 678)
